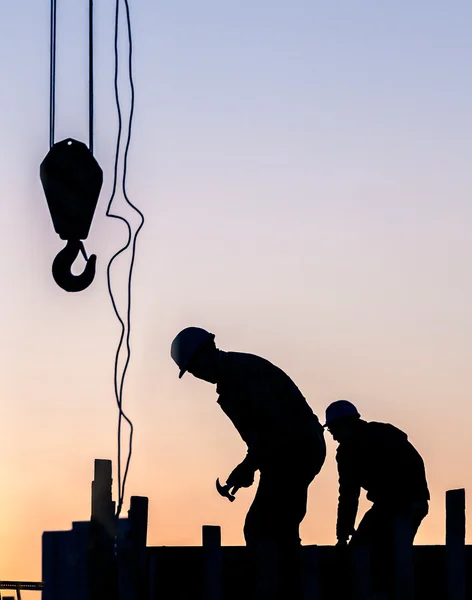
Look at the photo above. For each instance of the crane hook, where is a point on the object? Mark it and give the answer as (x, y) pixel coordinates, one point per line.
(62, 268)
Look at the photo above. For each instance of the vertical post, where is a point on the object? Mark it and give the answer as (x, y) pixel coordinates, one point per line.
(131, 551)
(455, 544)
(152, 577)
(58, 566)
(124, 554)
(102, 564)
(212, 563)
(80, 536)
(103, 508)
(138, 524)
(361, 573)
(48, 566)
(310, 573)
(403, 560)
(267, 563)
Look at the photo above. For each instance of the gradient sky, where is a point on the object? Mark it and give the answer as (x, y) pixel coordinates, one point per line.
(304, 169)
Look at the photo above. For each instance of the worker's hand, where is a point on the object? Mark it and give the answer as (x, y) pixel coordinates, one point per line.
(241, 476)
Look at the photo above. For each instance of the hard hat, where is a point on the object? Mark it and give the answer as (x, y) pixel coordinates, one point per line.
(186, 343)
(339, 410)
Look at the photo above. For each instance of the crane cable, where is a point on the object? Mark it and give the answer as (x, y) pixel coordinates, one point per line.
(52, 75)
(132, 240)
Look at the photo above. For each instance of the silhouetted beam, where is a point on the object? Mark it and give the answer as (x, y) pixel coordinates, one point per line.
(455, 544)
(310, 572)
(22, 585)
(360, 562)
(101, 560)
(212, 561)
(403, 560)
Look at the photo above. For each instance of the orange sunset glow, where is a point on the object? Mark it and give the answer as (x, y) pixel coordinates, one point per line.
(305, 177)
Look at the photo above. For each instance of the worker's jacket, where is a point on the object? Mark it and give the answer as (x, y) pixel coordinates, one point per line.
(266, 407)
(380, 459)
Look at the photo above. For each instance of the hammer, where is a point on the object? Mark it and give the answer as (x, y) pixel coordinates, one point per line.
(223, 490)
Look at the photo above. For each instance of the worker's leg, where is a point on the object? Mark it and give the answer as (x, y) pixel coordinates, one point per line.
(366, 532)
(418, 513)
(375, 532)
(280, 502)
(277, 511)
(275, 517)
(278, 508)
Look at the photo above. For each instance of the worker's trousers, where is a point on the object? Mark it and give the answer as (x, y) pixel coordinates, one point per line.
(376, 531)
(280, 506)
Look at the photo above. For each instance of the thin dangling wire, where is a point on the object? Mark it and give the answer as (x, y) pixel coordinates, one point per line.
(125, 328)
(140, 226)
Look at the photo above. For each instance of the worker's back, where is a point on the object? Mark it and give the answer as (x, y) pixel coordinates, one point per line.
(385, 463)
(264, 404)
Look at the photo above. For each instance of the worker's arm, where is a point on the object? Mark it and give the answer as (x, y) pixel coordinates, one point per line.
(349, 492)
(243, 474)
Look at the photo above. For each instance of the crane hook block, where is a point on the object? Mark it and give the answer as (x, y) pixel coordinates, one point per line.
(72, 180)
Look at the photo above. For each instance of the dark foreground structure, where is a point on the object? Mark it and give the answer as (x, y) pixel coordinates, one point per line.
(18, 587)
(86, 563)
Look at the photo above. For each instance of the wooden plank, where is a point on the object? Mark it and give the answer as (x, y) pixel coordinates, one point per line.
(310, 573)
(58, 568)
(455, 544)
(212, 563)
(403, 560)
(361, 573)
(48, 565)
(126, 587)
(103, 507)
(138, 521)
(267, 580)
(131, 551)
(153, 573)
(80, 536)
(102, 562)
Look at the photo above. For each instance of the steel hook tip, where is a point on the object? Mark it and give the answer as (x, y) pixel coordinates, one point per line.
(62, 268)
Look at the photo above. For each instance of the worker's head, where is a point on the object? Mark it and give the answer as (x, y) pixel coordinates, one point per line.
(194, 350)
(342, 418)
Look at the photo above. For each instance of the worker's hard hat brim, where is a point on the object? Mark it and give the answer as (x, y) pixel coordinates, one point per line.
(339, 419)
(186, 344)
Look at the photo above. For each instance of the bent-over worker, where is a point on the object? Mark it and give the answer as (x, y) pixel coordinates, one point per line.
(379, 458)
(284, 437)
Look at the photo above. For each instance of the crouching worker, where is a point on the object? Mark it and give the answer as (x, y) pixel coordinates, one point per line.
(378, 458)
(284, 438)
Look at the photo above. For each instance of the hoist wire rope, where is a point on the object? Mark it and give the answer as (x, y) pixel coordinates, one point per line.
(91, 76)
(132, 240)
(52, 74)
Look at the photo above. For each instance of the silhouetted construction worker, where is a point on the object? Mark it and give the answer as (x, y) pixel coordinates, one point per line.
(285, 440)
(378, 458)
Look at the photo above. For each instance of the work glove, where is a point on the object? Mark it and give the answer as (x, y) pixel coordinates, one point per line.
(241, 476)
